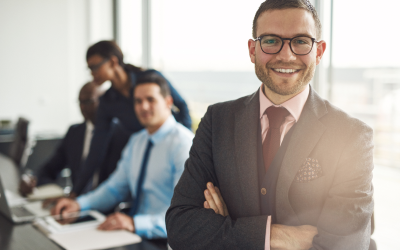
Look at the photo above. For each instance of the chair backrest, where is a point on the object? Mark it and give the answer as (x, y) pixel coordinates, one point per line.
(18, 146)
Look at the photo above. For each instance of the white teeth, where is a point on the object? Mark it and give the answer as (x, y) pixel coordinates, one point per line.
(285, 70)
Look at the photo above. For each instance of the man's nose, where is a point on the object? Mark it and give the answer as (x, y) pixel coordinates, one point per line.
(145, 105)
(286, 53)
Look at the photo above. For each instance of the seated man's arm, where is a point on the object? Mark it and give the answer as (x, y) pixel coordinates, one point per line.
(189, 224)
(153, 225)
(49, 172)
(112, 191)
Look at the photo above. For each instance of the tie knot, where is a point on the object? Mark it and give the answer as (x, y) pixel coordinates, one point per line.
(276, 116)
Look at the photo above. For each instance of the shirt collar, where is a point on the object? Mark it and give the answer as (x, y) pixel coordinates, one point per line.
(294, 105)
(167, 126)
(89, 125)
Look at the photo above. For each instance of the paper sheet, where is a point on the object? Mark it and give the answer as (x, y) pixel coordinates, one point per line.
(90, 239)
(46, 191)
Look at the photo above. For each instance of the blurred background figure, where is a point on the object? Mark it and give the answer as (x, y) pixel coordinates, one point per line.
(106, 63)
(150, 167)
(73, 149)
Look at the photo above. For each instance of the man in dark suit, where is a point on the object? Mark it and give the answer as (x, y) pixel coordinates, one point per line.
(290, 170)
(73, 149)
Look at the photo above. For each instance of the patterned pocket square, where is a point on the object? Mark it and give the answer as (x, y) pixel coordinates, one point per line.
(310, 170)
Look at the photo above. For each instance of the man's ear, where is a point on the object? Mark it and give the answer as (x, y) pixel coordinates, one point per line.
(169, 101)
(321, 47)
(114, 61)
(252, 50)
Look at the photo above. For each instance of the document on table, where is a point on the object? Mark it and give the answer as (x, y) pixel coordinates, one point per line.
(90, 239)
(45, 192)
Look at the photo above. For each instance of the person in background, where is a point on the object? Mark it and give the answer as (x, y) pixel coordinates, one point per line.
(281, 168)
(106, 62)
(74, 147)
(151, 165)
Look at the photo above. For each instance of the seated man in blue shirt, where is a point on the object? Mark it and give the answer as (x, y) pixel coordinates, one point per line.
(150, 167)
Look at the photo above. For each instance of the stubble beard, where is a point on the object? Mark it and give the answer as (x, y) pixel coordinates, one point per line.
(284, 88)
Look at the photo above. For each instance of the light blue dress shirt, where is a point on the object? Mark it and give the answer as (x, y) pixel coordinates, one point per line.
(171, 145)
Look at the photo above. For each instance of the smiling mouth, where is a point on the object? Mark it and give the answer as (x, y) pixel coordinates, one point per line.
(286, 71)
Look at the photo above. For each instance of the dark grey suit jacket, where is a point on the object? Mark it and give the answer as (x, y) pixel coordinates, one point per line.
(224, 152)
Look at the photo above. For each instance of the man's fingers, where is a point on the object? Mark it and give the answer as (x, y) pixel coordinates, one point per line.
(210, 200)
(57, 208)
(112, 222)
(223, 202)
(216, 198)
(206, 205)
(106, 225)
(65, 206)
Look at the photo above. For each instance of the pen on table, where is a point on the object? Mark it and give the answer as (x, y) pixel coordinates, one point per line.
(61, 217)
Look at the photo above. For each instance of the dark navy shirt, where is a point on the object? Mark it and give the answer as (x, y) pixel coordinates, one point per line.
(115, 105)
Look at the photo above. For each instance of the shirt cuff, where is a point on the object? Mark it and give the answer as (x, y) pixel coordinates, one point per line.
(84, 204)
(268, 234)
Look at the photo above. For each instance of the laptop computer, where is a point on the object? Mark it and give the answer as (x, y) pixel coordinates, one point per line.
(21, 213)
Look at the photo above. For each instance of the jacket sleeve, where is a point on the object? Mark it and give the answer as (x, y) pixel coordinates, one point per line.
(112, 191)
(189, 225)
(345, 219)
(58, 161)
(183, 115)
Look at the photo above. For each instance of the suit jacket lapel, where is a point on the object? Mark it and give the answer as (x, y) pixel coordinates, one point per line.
(246, 127)
(306, 135)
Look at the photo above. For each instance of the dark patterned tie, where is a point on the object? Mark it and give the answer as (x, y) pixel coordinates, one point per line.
(272, 142)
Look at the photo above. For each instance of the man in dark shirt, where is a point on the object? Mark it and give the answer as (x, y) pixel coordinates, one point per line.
(73, 149)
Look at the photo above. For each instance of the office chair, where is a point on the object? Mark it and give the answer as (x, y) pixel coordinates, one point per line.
(18, 147)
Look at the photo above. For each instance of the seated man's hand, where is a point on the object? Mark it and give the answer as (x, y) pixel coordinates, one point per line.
(65, 206)
(27, 184)
(118, 221)
(50, 202)
(214, 200)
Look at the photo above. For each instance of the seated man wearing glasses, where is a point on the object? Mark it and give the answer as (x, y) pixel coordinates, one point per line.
(73, 149)
(151, 165)
(281, 168)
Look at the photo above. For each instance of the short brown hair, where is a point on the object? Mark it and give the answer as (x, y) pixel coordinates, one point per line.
(287, 4)
(156, 78)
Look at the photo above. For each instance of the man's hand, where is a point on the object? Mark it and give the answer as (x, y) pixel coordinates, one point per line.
(50, 202)
(27, 184)
(214, 200)
(118, 221)
(289, 237)
(65, 206)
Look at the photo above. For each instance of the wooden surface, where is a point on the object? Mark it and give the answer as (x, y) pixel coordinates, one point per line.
(25, 236)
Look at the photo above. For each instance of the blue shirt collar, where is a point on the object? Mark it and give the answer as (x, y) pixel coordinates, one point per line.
(168, 125)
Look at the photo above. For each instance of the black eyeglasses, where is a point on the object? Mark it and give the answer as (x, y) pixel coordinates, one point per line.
(299, 45)
(97, 66)
(87, 102)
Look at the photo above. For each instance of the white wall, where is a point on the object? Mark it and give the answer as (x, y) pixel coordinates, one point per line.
(42, 58)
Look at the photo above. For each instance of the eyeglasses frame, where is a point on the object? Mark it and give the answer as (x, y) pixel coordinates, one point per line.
(94, 68)
(283, 43)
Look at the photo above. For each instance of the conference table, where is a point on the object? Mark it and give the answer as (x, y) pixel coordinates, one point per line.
(25, 236)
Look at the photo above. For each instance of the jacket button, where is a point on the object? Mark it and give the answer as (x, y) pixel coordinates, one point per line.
(263, 191)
